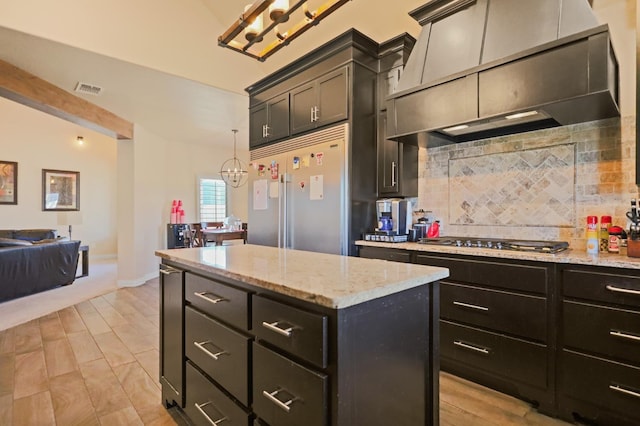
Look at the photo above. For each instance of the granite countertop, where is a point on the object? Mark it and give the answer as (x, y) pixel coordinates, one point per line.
(324, 279)
(567, 256)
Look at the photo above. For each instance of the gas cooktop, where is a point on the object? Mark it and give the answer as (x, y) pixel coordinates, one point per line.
(536, 246)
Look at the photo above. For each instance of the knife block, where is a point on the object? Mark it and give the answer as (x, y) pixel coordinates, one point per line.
(633, 248)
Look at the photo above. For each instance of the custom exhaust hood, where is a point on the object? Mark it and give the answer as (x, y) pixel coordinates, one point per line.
(484, 68)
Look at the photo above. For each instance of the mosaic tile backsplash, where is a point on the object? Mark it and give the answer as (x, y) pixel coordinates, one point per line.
(535, 185)
(524, 188)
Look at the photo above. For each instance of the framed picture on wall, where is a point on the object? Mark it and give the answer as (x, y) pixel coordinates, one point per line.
(60, 190)
(8, 182)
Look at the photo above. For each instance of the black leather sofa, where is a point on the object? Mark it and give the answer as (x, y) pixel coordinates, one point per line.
(34, 260)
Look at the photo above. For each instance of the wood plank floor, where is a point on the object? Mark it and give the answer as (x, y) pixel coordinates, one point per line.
(96, 362)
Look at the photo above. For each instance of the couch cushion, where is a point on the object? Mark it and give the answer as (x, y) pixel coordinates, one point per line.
(8, 242)
(6, 233)
(48, 240)
(35, 234)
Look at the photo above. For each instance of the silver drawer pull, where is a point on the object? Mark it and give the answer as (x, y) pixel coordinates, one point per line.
(200, 345)
(467, 305)
(271, 396)
(217, 299)
(623, 290)
(168, 270)
(617, 333)
(274, 327)
(471, 347)
(624, 391)
(213, 422)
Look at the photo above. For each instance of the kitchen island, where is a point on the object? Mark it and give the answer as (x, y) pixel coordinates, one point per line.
(259, 335)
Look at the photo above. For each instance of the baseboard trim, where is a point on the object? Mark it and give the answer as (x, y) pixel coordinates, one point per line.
(137, 282)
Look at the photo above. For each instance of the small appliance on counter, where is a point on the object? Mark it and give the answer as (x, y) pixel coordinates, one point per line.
(178, 235)
(393, 216)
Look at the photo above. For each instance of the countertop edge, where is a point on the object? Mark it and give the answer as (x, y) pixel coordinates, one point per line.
(336, 302)
(567, 256)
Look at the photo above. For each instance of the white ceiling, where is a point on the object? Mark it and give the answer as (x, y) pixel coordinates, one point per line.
(180, 109)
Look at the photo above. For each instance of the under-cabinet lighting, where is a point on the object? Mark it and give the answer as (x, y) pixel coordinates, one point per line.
(454, 128)
(521, 115)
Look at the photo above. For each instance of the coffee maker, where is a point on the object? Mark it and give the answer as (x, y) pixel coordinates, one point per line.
(394, 216)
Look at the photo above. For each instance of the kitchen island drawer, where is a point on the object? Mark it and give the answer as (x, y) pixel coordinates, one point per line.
(219, 351)
(286, 393)
(207, 405)
(301, 333)
(602, 330)
(228, 304)
(530, 278)
(511, 313)
(504, 356)
(611, 286)
(604, 392)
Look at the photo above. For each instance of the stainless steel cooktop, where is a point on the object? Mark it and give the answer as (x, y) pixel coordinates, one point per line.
(536, 246)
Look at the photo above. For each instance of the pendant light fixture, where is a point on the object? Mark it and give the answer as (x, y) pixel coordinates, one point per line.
(233, 172)
(263, 25)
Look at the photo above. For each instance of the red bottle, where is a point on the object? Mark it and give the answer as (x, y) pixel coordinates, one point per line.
(434, 230)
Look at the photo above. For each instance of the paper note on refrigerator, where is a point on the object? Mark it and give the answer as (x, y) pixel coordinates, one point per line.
(260, 194)
(316, 187)
(274, 190)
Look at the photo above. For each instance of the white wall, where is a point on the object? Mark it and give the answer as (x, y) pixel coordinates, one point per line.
(40, 141)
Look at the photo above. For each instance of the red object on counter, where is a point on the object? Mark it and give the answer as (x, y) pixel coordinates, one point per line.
(434, 230)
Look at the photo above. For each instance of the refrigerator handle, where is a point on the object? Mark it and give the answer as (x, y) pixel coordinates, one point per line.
(284, 231)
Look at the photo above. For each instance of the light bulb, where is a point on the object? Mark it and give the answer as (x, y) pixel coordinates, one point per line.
(253, 29)
(277, 9)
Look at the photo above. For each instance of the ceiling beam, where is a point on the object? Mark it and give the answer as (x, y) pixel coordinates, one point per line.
(27, 89)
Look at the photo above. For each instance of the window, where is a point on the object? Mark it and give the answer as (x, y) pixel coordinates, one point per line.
(212, 199)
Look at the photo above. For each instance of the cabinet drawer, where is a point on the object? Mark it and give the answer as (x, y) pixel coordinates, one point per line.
(395, 255)
(298, 332)
(224, 302)
(206, 404)
(219, 351)
(511, 313)
(511, 358)
(286, 393)
(527, 278)
(590, 284)
(611, 386)
(607, 331)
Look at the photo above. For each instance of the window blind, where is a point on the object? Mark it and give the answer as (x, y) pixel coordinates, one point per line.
(213, 200)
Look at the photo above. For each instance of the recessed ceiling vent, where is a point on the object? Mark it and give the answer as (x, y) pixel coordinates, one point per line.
(88, 89)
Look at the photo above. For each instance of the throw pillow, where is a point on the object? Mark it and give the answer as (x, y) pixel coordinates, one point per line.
(7, 242)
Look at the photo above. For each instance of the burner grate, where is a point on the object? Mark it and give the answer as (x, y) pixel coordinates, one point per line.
(536, 246)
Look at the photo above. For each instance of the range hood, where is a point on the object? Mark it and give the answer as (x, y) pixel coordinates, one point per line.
(483, 68)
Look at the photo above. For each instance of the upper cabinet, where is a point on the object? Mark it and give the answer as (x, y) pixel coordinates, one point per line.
(397, 162)
(320, 102)
(269, 121)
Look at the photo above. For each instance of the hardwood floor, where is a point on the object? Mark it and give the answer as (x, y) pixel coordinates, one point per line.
(96, 362)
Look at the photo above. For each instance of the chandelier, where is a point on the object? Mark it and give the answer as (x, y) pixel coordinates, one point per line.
(279, 11)
(233, 172)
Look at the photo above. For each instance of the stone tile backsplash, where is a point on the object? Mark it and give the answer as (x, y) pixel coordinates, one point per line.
(535, 185)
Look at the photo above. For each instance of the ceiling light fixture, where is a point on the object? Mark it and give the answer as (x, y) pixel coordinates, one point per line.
(80, 140)
(279, 11)
(233, 172)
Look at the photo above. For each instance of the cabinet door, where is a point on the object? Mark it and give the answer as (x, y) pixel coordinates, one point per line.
(303, 100)
(332, 100)
(278, 123)
(171, 335)
(257, 121)
(387, 84)
(388, 162)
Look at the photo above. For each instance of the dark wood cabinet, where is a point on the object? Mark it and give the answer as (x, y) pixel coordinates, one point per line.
(397, 162)
(495, 324)
(322, 101)
(171, 335)
(269, 121)
(254, 356)
(397, 165)
(599, 357)
(385, 254)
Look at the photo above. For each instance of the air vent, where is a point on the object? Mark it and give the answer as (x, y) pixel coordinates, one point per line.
(88, 89)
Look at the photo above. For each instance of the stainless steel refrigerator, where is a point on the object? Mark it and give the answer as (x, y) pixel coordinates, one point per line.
(300, 194)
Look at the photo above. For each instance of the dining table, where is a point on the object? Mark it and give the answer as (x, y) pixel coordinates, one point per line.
(218, 235)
